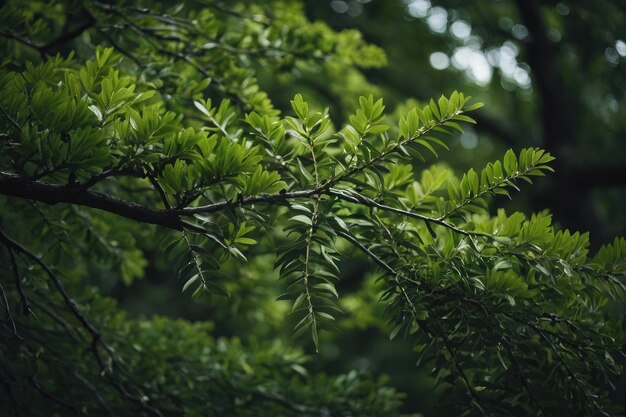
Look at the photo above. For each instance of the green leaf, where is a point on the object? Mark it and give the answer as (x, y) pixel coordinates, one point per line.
(190, 281)
(328, 287)
(302, 219)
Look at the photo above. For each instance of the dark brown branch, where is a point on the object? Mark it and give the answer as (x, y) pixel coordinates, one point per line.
(18, 283)
(563, 362)
(397, 276)
(71, 304)
(16, 186)
(461, 371)
(155, 183)
(111, 172)
(140, 401)
(20, 39)
(77, 336)
(88, 22)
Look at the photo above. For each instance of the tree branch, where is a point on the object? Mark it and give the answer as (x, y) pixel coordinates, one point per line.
(13, 245)
(8, 309)
(18, 283)
(522, 377)
(44, 49)
(96, 337)
(17, 186)
(363, 200)
(261, 198)
(87, 23)
(370, 254)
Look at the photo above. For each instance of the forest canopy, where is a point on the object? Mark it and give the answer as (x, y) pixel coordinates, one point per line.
(207, 208)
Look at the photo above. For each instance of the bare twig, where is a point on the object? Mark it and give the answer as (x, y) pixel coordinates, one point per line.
(96, 337)
(356, 198)
(18, 283)
(7, 307)
(522, 377)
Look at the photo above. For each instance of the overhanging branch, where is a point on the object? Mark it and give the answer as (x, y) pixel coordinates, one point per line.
(16, 186)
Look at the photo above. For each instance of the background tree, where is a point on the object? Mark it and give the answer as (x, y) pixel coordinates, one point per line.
(551, 74)
(137, 140)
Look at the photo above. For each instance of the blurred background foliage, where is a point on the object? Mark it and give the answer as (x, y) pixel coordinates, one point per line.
(551, 74)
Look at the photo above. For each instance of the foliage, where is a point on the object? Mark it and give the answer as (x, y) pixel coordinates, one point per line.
(551, 74)
(163, 145)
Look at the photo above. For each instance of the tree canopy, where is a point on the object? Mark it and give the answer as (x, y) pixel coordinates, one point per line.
(551, 75)
(142, 139)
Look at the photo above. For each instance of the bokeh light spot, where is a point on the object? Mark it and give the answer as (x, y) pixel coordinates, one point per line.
(519, 31)
(469, 139)
(461, 29)
(418, 8)
(339, 6)
(620, 47)
(562, 9)
(612, 56)
(439, 60)
(437, 19)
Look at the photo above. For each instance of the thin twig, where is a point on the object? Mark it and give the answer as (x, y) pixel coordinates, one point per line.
(394, 148)
(33, 381)
(356, 198)
(57, 282)
(155, 183)
(8, 309)
(522, 377)
(18, 283)
(96, 338)
(569, 370)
